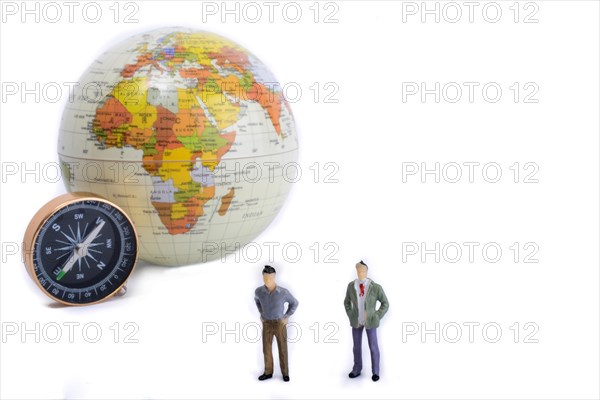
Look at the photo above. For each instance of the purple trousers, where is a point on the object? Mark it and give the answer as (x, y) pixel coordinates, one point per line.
(373, 347)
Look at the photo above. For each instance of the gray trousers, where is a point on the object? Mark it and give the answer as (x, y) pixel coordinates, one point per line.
(373, 347)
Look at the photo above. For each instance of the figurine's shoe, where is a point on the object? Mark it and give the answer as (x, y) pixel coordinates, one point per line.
(375, 377)
(353, 375)
(286, 378)
(265, 376)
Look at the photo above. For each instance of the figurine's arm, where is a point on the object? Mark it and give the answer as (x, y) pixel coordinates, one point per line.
(258, 305)
(292, 305)
(385, 305)
(347, 303)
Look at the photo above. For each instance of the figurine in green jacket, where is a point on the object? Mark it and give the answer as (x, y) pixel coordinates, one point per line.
(361, 300)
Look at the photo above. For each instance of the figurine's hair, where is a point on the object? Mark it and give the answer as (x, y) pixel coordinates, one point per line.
(268, 270)
(361, 262)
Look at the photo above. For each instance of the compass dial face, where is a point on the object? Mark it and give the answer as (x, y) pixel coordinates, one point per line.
(84, 251)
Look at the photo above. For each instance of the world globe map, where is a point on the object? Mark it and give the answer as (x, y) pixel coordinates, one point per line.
(190, 134)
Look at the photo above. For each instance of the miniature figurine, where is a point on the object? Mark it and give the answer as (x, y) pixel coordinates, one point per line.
(270, 299)
(361, 299)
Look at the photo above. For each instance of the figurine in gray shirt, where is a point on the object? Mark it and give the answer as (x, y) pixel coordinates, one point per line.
(270, 300)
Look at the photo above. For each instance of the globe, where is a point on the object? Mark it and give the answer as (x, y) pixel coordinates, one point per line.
(190, 134)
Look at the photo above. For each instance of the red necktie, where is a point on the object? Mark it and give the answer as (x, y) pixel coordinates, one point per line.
(362, 289)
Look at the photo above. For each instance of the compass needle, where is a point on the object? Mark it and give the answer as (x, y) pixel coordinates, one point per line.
(69, 264)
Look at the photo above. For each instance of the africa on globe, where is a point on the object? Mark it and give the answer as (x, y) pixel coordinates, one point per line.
(190, 134)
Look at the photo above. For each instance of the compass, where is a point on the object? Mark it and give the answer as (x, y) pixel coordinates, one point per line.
(80, 249)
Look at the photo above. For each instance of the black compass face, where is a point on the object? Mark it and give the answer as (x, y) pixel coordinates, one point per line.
(84, 252)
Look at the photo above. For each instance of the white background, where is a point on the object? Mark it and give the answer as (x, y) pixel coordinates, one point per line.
(369, 213)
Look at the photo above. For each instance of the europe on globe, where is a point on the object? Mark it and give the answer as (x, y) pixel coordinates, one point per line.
(190, 134)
